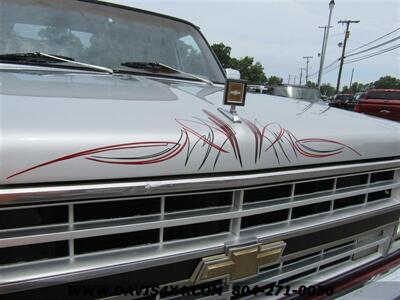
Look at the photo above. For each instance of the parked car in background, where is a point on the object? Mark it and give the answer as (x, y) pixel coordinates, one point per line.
(341, 100)
(257, 89)
(324, 98)
(384, 103)
(353, 102)
(360, 95)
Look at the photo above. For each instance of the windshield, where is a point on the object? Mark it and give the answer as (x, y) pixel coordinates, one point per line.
(104, 35)
(384, 95)
(359, 96)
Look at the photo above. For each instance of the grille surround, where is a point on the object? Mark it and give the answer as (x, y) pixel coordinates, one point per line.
(92, 265)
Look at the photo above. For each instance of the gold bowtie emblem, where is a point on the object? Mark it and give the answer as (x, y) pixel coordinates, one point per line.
(238, 262)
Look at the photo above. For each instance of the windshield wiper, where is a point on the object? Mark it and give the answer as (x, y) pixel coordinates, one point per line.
(48, 58)
(156, 66)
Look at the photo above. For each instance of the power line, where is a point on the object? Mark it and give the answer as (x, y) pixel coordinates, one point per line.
(358, 42)
(328, 71)
(325, 71)
(332, 69)
(377, 39)
(333, 63)
(355, 59)
(374, 47)
(335, 68)
(327, 67)
(373, 54)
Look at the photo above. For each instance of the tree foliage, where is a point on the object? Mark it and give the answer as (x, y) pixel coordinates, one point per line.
(387, 82)
(359, 87)
(249, 70)
(327, 90)
(345, 90)
(311, 84)
(254, 73)
(274, 80)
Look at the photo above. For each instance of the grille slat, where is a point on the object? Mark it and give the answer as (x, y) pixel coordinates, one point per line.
(354, 180)
(35, 252)
(116, 241)
(30, 217)
(199, 201)
(116, 209)
(311, 187)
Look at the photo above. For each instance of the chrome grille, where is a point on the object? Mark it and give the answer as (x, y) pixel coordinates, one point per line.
(317, 265)
(71, 238)
(322, 261)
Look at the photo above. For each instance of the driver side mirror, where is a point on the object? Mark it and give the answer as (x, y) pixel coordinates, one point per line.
(232, 74)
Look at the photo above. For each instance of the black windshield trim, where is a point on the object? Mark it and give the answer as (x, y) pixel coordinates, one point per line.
(60, 65)
(140, 72)
(116, 71)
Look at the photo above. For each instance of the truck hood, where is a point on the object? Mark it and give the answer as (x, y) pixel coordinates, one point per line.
(76, 127)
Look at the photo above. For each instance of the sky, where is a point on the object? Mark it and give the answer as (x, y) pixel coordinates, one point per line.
(278, 33)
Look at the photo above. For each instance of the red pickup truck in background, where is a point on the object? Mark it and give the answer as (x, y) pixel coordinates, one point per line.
(384, 103)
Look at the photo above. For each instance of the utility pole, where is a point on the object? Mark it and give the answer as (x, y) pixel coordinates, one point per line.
(308, 60)
(325, 42)
(351, 79)
(346, 36)
(321, 62)
(294, 80)
(289, 79)
(301, 74)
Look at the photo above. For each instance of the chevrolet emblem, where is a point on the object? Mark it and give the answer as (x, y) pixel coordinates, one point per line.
(235, 92)
(238, 262)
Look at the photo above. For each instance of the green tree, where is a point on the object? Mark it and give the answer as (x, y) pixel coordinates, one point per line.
(311, 84)
(249, 70)
(355, 87)
(274, 80)
(359, 87)
(327, 90)
(387, 82)
(346, 90)
(223, 53)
